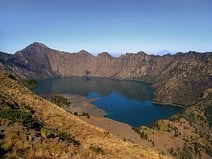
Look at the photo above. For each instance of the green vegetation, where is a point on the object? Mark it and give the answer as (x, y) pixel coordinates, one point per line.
(60, 100)
(16, 115)
(209, 149)
(30, 83)
(172, 151)
(141, 133)
(66, 137)
(75, 113)
(208, 114)
(23, 115)
(48, 133)
(86, 114)
(96, 149)
(186, 152)
(156, 125)
(83, 114)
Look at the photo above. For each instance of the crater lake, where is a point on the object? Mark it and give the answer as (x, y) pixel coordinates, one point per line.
(125, 101)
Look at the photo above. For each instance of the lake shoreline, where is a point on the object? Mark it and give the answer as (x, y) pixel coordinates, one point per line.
(170, 104)
(128, 101)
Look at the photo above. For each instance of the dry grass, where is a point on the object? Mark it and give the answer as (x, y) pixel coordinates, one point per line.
(55, 117)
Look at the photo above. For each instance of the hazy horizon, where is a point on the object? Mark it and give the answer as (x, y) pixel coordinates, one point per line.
(114, 54)
(116, 27)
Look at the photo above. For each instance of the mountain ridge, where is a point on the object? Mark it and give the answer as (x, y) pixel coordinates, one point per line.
(180, 79)
(169, 73)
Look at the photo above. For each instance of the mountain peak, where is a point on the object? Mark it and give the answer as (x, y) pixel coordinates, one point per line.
(37, 44)
(85, 53)
(164, 52)
(104, 54)
(34, 48)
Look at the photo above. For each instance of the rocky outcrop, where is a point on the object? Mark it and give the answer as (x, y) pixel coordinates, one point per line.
(175, 77)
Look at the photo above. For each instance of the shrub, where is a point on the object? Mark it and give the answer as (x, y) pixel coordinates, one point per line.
(208, 150)
(208, 114)
(25, 118)
(31, 82)
(75, 113)
(155, 125)
(141, 133)
(86, 114)
(12, 77)
(96, 149)
(47, 132)
(27, 108)
(2, 151)
(60, 100)
(66, 137)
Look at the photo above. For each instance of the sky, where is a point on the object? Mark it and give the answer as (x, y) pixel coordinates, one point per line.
(115, 26)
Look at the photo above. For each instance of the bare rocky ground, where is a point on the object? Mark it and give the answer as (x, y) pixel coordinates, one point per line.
(81, 104)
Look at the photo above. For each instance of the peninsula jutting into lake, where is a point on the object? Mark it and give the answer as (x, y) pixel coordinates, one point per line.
(125, 101)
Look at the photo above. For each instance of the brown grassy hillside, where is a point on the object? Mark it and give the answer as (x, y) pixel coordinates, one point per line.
(32, 127)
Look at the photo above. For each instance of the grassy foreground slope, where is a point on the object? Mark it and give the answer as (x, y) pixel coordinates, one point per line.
(32, 127)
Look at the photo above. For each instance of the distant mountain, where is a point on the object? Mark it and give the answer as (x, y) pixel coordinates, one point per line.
(163, 52)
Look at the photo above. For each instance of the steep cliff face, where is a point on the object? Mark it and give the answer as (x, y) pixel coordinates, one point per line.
(183, 77)
(34, 58)
(32, 62)
(175, 77)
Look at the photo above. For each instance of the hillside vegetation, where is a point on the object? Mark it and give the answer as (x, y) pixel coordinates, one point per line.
(32, 127)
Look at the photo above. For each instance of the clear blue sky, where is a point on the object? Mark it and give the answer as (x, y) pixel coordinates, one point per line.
(116, 26)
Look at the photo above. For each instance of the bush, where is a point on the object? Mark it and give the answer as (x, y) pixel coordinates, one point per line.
(47, 132)
(86, 114)
(96, 149)
(66, 137)
(12, 77)
(208, 150)
(141, 133)
(25, 118)
(60, 100)
(31, 83)
(155, 125)
(208, 114)
(75, 113)
(2, 151)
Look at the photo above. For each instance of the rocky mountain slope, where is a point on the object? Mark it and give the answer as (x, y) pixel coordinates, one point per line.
(175, 77)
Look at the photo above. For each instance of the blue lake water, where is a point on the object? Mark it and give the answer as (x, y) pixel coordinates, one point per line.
(125, 101)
